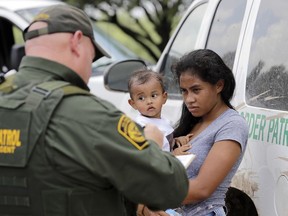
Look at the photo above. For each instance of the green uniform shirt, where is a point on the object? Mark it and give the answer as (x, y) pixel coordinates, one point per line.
(97, 148)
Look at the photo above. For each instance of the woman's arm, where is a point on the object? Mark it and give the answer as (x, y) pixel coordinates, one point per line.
(221, 158)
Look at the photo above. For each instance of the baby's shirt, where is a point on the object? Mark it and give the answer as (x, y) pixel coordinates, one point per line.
(163, 125)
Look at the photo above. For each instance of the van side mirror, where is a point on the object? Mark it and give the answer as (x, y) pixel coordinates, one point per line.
(17, 53)
(117, 75)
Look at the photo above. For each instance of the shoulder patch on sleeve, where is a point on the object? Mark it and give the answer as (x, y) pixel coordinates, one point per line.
(128, 129)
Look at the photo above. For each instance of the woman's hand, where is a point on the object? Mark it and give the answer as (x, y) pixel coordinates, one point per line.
(182, 144)
(182, 140)
(182, 150)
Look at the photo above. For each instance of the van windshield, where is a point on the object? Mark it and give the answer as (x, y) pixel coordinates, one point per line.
(222, 38)
(225, 29)
(184, 42)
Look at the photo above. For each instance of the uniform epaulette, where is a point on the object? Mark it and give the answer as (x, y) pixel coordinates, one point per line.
(74, 90)
(67, 88)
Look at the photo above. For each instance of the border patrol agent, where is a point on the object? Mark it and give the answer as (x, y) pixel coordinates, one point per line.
(64, 151)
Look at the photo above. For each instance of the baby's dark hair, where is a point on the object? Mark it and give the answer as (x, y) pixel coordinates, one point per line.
(142, 76)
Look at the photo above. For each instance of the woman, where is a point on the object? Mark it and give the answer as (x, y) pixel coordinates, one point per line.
(219, 133)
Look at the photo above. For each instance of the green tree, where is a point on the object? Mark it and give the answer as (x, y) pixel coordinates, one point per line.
(149, 23)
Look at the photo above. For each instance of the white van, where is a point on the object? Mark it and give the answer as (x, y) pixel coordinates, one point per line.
(252, 37)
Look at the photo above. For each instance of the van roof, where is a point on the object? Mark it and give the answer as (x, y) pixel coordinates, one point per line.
(15, 5)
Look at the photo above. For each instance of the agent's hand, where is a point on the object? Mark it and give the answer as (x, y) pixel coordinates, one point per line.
(153, 133)
(158, 213)
(143, 210)
(148, 212)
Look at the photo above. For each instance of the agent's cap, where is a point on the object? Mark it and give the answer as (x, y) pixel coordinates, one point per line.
(65, 18)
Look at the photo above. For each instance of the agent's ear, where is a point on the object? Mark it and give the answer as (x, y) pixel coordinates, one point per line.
(220, 85)
(132, 103)
(75, 42)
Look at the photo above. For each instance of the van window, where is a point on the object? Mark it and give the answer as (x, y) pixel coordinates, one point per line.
(267, 78)
(225, 30)
(184, 42)
(10, 35)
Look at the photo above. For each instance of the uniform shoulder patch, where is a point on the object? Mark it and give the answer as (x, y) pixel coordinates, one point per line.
(128, 129)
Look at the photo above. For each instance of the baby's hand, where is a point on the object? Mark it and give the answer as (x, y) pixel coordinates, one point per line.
(183, 140)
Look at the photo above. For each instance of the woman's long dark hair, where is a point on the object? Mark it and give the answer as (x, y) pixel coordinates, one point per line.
(209, 67)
